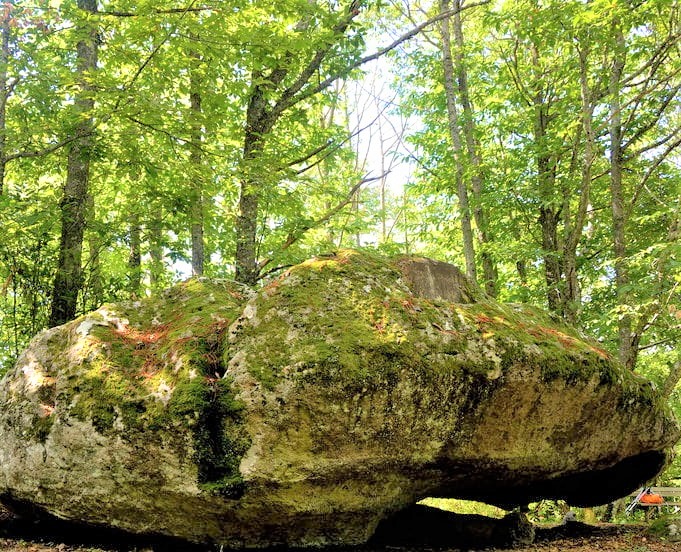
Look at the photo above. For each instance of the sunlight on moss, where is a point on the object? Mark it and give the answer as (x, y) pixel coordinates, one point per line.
(463, 506)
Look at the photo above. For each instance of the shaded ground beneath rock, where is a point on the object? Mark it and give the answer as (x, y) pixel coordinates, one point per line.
(21, 536)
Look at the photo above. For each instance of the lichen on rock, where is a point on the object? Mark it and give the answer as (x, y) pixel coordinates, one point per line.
(305, 412)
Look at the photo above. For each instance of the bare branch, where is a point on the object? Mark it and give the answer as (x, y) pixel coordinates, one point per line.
(293, 237)
(160, 130)
(414, 31)
(651, 170)
(180, 11)
(302, 94)
(655, 119)
(287, 98)
(48, 149)
(672, 379)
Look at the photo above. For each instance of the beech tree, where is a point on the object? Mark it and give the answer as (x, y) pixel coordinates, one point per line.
(74, 203)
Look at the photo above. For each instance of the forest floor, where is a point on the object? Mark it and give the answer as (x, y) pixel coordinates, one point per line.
(626, 541)
(582, 538)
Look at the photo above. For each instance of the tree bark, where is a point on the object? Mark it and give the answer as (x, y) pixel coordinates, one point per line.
(489, 269)
(457, 150)
(575, 228)
(626, 353)
(156, 251)
(197, 173)
(549, 214)
(135, 255)
(247, 270)
(73, 206)
(672, 379)
(5, 31)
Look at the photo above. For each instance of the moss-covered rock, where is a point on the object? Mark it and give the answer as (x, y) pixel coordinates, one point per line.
(303, 414)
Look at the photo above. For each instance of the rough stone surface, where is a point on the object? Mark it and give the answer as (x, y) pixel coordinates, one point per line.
(339, 394)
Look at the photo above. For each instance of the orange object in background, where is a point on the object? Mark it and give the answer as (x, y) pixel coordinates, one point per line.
(651, 498)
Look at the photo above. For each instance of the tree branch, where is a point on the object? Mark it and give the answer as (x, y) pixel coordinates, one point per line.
(156, 12)
(293, 237)
(302, 94)
(287, 98)
(47, 150)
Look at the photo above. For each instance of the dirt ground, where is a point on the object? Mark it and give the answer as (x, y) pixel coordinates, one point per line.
(581, 538)
(630, 540)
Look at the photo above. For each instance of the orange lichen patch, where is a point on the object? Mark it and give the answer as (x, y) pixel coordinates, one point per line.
(150, 368)
(483, 319)
(564, 339)
(142, 336)
(273, 286)
(46, 410)
(600, 352)
(236, 295)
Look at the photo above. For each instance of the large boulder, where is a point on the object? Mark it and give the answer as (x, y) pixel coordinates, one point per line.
(341, 393)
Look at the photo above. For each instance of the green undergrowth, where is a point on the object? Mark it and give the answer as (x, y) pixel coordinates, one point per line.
(464, 507)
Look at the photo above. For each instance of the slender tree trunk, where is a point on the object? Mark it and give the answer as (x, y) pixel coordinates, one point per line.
(5, 30)
(549, 217)
(135, 255)
(259, 122)
(455, 136)
(574, 229)
(489, 269)
(156, 251)
(384, 224)
(549, 214)
(196, 162)
(672, 379)
(93, 294)
(69, 276)
(626, 354)
(96, 288)
(247, 271)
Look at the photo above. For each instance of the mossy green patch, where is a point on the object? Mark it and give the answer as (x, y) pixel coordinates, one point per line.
(156, 364)
(350, 319)
(41, 427)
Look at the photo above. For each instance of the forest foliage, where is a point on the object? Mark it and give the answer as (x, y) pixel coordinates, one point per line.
(141, 142)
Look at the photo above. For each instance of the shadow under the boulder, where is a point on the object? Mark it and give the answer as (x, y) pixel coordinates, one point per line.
(421, 525)
(54, 530)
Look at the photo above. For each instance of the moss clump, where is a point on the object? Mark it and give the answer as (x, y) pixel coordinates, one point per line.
(219, 441)
(41, 427)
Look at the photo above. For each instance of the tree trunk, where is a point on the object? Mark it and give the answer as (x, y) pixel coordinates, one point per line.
(197, 174)
(156, 251)
(247, 271)
(455, 136)
(489, 269)
(5, 30)
(626, 353)
(135, 255)
(69, 276)
(574, 229)
(549, 214)
(672, 379)
(549, 218)
(96, 288)
(258, 123)
(275, 91)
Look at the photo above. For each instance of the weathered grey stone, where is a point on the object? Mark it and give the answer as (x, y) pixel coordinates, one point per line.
(343, 392)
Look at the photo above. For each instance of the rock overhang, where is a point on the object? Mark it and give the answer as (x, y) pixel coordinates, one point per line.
(351, 384)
